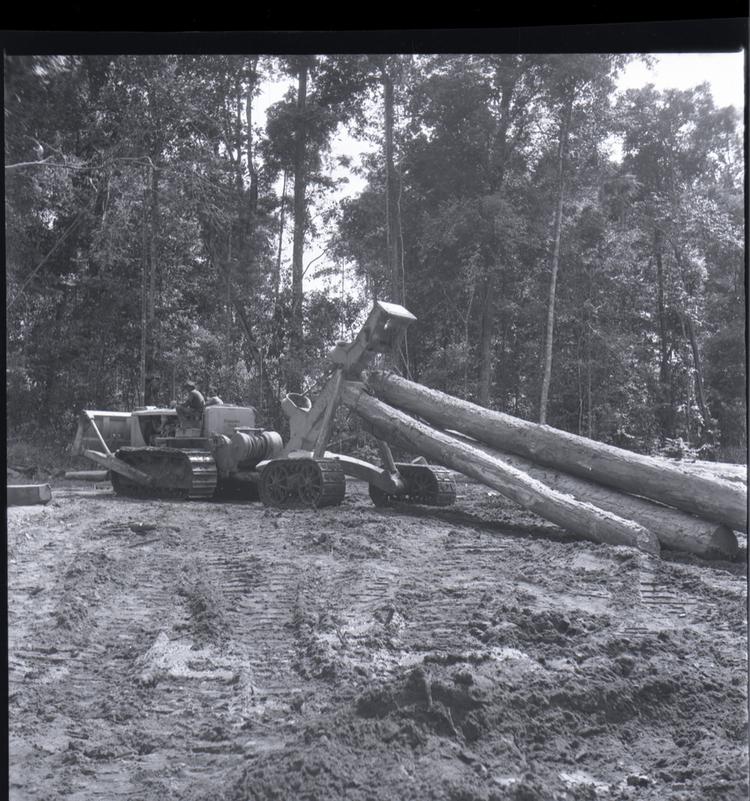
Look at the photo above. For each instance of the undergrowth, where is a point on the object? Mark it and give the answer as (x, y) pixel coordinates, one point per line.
(42, 453)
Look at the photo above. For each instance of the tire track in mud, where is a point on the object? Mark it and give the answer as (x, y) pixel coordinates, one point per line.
(440, 591)
(259, 595)
(236, 605)
(420, 605)
(58, 642)
(542, 633)
(669, 596)
(114, 682)
(195, 650)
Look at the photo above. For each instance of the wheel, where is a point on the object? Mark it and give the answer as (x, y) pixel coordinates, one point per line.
(274, 484)
(302, 483)
(309, 483)
(429, 484)
(422, 487)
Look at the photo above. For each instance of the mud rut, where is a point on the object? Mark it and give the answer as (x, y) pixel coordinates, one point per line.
(215, 650)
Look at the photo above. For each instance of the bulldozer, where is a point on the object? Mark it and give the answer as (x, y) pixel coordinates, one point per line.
(159, 454)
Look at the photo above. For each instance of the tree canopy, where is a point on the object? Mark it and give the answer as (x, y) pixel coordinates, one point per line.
(571, 252)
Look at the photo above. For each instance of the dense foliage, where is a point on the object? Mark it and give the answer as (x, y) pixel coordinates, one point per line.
(572, 254)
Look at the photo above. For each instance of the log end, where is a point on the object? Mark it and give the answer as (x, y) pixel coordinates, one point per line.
(702, 538)
(648, 542)
(722, 544)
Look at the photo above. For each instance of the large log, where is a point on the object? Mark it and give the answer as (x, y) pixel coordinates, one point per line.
(675, 529)
(723, 470)
(658, 479)
(581, 518)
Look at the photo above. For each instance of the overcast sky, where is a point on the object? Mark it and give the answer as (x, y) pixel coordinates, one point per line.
(723, 71)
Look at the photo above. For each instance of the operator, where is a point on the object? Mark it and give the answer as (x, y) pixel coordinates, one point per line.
(192, 408)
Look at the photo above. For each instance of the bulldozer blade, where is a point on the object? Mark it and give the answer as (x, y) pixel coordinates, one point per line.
(106, 431)
(111, 462)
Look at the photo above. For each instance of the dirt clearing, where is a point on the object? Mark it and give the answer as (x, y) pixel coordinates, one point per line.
(190, 650)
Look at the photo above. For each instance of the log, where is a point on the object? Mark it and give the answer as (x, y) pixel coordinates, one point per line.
(582, 518)
(675, 529)
(28, 494)
(723, 470)
(701, 494)
(86, 475)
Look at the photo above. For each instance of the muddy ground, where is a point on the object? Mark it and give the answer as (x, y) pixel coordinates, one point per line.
(171, 650)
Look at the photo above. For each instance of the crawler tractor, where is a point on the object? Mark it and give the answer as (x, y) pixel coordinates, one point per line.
(158, 456)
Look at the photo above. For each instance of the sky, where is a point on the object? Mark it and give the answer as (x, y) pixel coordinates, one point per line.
(723, 71)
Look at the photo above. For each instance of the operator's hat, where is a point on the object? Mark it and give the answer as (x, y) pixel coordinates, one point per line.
(189, 384)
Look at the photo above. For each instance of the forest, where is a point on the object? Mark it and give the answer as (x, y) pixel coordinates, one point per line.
(574, 254)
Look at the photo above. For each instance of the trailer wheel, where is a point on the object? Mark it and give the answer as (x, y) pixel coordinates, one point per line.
(274, 484)
(302, 483)
(309, 484)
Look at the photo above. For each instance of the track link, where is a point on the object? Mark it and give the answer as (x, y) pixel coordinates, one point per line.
(425, 484)
(302, 483)
(186, 474)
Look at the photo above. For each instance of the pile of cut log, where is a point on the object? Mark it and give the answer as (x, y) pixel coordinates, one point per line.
(604, 493)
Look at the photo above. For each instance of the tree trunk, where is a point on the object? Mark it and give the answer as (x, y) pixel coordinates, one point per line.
(294, 368)
(391, 234)
(689, 333)
(145, 267)
(154, 344)
(485, 341)
(277, 269)
(487, 326)
(699, 390)
(657, 479)
(588, 331)
(674, 529)
(255, 355)
(228, 307)
(665, 411)
(561, 153)
(252, 172)
(580, 518)
(589, 407)
(238, 171)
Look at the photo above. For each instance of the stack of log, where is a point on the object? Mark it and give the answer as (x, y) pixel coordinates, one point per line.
(604, 493)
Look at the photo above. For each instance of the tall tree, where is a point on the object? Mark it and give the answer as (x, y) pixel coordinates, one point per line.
(583, 83)
(389, 75)
(294, 375)
(679, 146)
(300, 129)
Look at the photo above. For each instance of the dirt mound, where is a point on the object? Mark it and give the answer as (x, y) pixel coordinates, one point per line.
(516, 726)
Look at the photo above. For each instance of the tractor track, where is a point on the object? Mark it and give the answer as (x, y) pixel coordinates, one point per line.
(161, 649)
